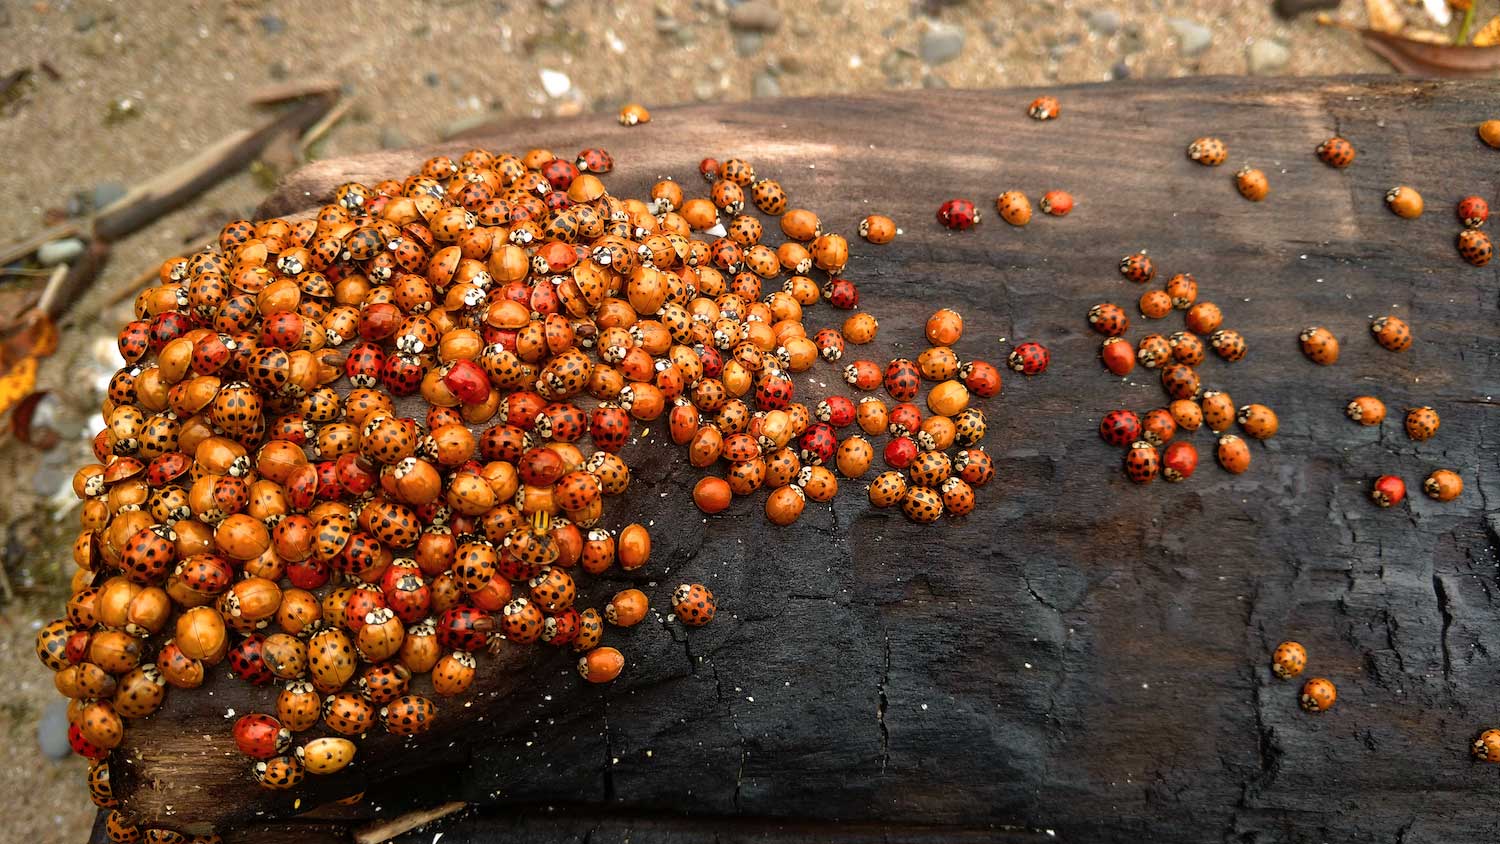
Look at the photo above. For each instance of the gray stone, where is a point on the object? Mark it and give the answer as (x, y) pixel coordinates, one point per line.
(1192, 37)
(278, 70)
(1266, 56)
(52, 730)
(1121, 70)
(85, 22)
(765, 85)
(1105, 21)
(432, 79)
(756, 16)
(554, 5)
(748, 43)
(941, 43)
(932, 80)
(272, 24)
(55, 252)
(391, 138)
(705, 90)
(106, 193)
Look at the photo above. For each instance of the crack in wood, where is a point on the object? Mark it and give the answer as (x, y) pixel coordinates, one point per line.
(1440, 591)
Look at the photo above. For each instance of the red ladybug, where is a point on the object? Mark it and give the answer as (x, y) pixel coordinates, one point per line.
(818, 444)
(1473, 211)
(837, 411)
(900, 452)
(1179, 461)
(903, 380)
(248, 663)
(261, 736)
(1388, 491)
(1120, 428)
(610, 427)
(958, 214)
(1030, 358)
(463, 629)
(841, 293)
(1118, 356)
(467, 380)
(981, 377)
(1142, 462)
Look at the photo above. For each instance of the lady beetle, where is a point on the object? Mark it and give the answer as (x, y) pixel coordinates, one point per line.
(1258, 421)
(1153, 350)
(982, 378)
(900, 452)
(1139, 268)
(1288, 660)
(1029, 358)
(1109, 319)
(1187, 348)
(1187, 414)
(409, 715)
(1473, 211)
(959, 214)
(1486, 748)
(1233, 454)
(1180, 381)
(694, 604)
(1208, 151)
(1117, 355)
(1443, 485)
(975, 466)
(1229, 344)
(922, 504)
(958, 497)
(1155, 304)
(1158, 426)
(1013, 207)
(785, 505)
(1475, 247)
(1404, 202)
(1422, 423)
(1057, 203)
(1183, 290)
(1319, 345)
(1336, 153)
(1204, 318)
(887, 489)
(1252, 184)
(279, 772)
(878, 229)
(1045, 107)
(261, 736)
(1366, 410)
(1142, 462)
(1218, 411)
(1392, 333)
(1120, 428)
(902, 379)
(1179, 461)
(601, 665)
(634, 114)
(1318, 695)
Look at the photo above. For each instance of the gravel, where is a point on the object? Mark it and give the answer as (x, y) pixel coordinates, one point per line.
(1192, 37)
(755, 16)
(1265, 57)
(941, 43)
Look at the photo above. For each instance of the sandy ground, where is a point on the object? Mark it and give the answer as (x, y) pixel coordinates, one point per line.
(143, 83)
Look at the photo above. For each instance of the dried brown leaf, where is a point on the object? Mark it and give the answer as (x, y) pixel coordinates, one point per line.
(1423, 59)
(1489, 34)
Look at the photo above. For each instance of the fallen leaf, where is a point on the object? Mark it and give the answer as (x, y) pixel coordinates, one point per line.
(22, 423)
(1423, 59)
(1427, 36)
(1489, 34)
(30, 335)
(1384, 15)
(17, 384)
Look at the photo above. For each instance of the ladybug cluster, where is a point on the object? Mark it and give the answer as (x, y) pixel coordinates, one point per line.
(1318, 693)
(1321, 346)
(1251, 182)
(1151, 449)
(260, 502)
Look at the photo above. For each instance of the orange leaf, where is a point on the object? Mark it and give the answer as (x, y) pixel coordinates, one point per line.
(17, 384)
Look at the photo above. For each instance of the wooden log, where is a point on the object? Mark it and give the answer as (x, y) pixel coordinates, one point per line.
(1081, 655)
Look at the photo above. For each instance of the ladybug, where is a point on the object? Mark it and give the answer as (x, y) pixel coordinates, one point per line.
(1486, 748)
(1366, 410)
(1233, 454)
(1013, 207)
(1336, 153)
(981, 378)
(837, 411)
(1179, 461)
(1404, 202)
(1443, 485)
(247, 661)
(1183, 290)
(1142, 462)
(1030, 358)
(1109, 319)
(463, 629)
(900, 452)
(1210, 152)
(1057, 203)
(149, 554)
(1252, 183)
(1118, 355)
(1180, 381)
(1158, 426)
(1392, 333)
(609, 427)
(863, 375)
(134, 340)
(959, 214)
(1475, 247)
(1139, 268)
(1155, 304)
(694, 604)
(1422, 423)
(738, 171)
(1120, 428)
(1204, 318)
(1229, 344)
(1319, 345)
(817, 444)
(922, 505)
(409, 715)
(1259, 421)
(261, 736)
(773, 392)
(958, 497)
(1473, 211)
(1318, 695)
(841, 293)
(902, 380)
(348, 713)
(1044, 108)
(1218, 410)
(1288, 660)
(975, 466)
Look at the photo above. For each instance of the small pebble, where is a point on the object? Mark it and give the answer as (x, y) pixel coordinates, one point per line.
(941, 43)
(765, 85)
(748, 43)
(1192, 37)
(1266, 56)
(55, 252)
(1104, 21)
(554, 82)
(391, 138)
(755, 16)
(52, 730)
(272, 24)
(106, 193)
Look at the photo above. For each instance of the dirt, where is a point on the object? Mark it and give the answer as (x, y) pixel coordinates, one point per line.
(140, 86)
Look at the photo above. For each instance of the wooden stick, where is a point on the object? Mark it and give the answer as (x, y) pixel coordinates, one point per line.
(62, 293)
(322, 127)
(378, 833)
(272, 94)
(24, 248)
(174, 188)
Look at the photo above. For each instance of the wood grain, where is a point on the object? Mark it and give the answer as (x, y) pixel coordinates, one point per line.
(1081, 655)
